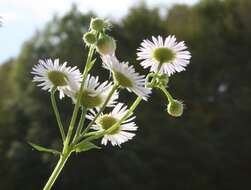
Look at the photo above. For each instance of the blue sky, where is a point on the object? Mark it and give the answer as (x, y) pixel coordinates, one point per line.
(21, 18)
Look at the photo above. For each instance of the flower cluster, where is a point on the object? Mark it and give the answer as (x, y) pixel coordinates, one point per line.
(164, 57)
(98, 102)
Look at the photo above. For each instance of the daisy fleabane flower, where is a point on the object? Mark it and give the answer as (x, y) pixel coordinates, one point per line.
(126, 76)
(94, 93)
(51, 74)
(123, 132)
(166, 55)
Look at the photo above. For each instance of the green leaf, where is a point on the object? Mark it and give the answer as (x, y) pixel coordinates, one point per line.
(43, 149)
(85, 146)
(91, 64)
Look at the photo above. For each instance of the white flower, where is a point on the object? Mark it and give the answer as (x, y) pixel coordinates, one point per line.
(51, 74)
(94, 93)
(122, 133)
(167, 55)
(126, 76)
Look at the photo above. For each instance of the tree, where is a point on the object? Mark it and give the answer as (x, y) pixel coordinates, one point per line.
(208, 148)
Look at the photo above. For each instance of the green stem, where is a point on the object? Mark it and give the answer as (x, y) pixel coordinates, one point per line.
(81, 123)
(114, 88)
(128, 113)
(56, 171)
(67, 147)
(90, 134)
(154, 77)
(102, 133)
(77, 105)
(55, 108)
(168, 95)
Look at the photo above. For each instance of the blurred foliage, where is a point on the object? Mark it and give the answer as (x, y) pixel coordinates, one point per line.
(208, 148)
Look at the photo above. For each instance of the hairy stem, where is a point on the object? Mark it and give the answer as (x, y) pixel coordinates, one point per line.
(81, 123)
(128, 113)
(102, 133)
(168, 95)
(56, 171)
(55, 109)
(114, 88)
(67, 147)
(77, 105)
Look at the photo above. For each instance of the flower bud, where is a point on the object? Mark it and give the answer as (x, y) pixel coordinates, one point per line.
(89, 38)
(106, 45)
(98, 24)
(175, 108)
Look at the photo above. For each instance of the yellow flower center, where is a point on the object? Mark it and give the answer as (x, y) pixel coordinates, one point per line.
(163, 55)
(57, 78)
(123, 80)
(106, 121)
(89, 101)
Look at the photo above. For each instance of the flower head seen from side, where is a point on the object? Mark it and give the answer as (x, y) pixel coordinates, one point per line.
(164, 55)
(51, 74)
(94, 93)
(122, 133)
(126, 76)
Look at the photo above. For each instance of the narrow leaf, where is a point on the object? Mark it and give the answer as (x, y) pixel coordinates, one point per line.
(85, 146)
(91, 64)
(43, 149)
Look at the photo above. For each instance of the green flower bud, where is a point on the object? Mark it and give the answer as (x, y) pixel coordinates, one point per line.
(89, 38)
(175, 108)
(98, 24)
(106, 45)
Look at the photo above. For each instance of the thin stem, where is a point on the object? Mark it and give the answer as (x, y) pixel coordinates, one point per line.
(81, 123)
(77, 105)
(128, 113)
(56, 112)
(90, 134)
(156, 74)
(56, 171)
(67, 150)
(114, 88)
(168, 95)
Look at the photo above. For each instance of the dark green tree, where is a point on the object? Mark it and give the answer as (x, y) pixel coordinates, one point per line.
(208, 148)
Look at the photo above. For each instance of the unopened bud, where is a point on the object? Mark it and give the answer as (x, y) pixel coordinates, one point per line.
(175, 108)
(98, 24)
(89, 38)
(106, 45)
